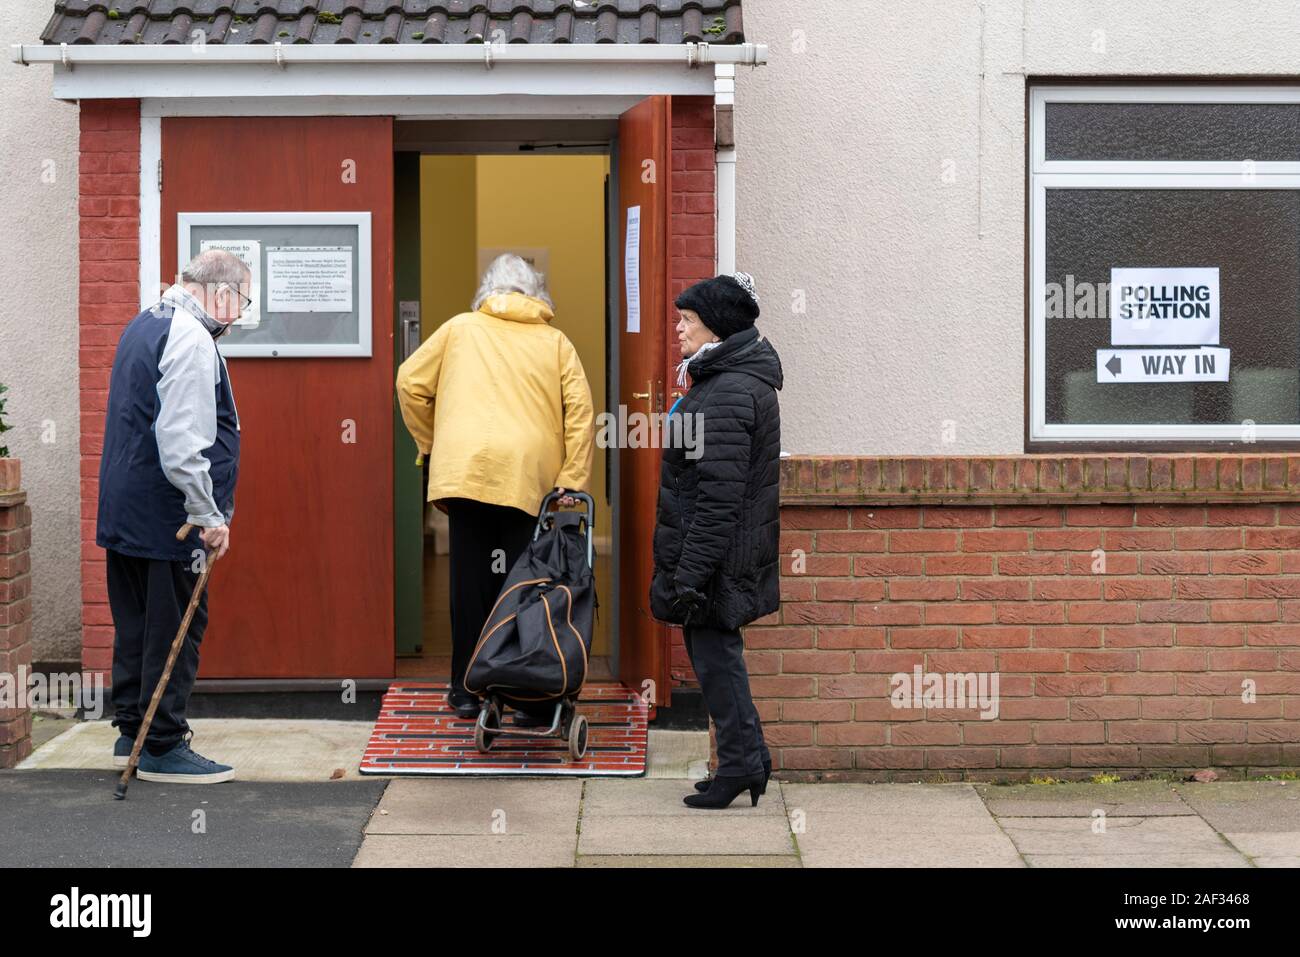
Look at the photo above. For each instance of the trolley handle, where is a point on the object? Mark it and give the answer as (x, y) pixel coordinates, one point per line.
(589, 506)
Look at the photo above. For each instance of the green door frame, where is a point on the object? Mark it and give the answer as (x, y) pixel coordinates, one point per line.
(408, 478)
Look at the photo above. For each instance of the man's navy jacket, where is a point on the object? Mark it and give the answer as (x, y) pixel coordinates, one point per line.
(171, 433)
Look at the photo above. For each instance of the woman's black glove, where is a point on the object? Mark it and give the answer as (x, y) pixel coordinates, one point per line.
(688, 604)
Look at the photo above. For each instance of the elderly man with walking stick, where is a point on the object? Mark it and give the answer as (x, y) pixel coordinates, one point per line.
(170, 460)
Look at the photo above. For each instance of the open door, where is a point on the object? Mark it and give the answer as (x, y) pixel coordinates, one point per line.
(307, 590)
(644, 171)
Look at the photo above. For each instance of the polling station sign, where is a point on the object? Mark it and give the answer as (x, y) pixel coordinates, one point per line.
(1206, 364)
(1164, 307)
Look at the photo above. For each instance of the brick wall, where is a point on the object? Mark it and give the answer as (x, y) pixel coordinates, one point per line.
(15, 610)
(109, 298)
(693, 251)
(1122, 601)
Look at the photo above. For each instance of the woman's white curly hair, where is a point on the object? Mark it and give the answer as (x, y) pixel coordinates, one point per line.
(510, 273)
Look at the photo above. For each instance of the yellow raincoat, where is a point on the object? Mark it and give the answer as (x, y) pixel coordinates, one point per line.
(498, 402)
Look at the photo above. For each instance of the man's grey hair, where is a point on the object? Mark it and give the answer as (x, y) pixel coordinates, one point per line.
(510, 273)
(214, 266)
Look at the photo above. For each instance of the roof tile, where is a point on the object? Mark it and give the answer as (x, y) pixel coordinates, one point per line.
(395, 21)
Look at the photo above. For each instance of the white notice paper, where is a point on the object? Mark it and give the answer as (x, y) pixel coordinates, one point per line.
(632, 268)
(1164, 307)
(249, 252)
(1207, 364)
(309, 279)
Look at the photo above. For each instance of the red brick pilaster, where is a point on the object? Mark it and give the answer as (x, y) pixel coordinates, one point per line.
(109, 298)
(15, 613)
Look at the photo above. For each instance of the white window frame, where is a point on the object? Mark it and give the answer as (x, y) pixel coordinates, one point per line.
(1128, 174)
(365, 319)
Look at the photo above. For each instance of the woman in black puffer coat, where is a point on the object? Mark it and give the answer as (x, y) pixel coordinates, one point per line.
(716, 535)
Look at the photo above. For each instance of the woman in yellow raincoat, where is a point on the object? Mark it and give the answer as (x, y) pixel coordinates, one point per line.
(497, 401)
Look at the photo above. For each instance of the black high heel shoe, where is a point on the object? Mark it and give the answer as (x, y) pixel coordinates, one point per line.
(723, 791)
(703, 786)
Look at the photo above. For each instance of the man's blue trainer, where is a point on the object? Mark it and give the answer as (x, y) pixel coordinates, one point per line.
(181, 765)
(122, 750)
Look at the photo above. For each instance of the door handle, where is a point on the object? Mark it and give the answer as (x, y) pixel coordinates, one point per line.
(410, 336)
(653, 398)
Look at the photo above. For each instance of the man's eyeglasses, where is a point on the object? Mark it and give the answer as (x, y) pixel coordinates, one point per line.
(245, 303)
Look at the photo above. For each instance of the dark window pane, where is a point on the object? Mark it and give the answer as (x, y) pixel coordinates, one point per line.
(1252, 235)
(1264, 132)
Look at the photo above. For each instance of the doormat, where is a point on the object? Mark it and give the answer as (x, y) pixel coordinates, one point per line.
(418, 734)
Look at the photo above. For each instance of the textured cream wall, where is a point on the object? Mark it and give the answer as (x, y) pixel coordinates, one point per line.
(38, 325)
(915, 283)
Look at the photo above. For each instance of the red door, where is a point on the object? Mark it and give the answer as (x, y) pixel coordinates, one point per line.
(643, 180)
(307, 588)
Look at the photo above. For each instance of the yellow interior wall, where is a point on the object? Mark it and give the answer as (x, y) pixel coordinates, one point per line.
(557, 203)
(448, 247)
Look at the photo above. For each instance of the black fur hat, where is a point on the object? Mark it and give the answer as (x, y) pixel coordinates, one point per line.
(725, 304)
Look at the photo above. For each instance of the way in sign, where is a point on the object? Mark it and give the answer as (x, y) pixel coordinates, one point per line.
(1206, 364)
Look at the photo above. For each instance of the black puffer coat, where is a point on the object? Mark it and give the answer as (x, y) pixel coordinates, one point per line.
(716, 535)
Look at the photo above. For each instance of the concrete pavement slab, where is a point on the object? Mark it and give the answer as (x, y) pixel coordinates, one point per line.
(493, 850)
(648, 817)
(1246, 805)
(1132, 860)
(483, 806)
(1274, 847)
(709, 833)
(895, 825)
(69, 819)
(1080, 799)
(688, 860)
(663, 798)
(892, 807)
(1124, 842)
(258, 749)
(841, 846)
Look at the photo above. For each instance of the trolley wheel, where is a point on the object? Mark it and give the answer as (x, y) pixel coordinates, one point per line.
(578, 737)
(485, 729)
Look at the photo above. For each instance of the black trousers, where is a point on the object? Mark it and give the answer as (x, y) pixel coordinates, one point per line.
(717, 657)
(148, 598)
(485, 542)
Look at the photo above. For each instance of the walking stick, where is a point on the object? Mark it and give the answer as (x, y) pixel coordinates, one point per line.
(119, 793)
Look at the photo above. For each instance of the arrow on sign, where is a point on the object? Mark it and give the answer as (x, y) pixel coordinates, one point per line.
(1203, 364)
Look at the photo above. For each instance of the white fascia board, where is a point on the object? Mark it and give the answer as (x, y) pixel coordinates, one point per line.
(486, 55)
(349, 81)
(278, 69)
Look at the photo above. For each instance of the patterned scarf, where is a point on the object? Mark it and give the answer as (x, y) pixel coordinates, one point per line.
(681, 366)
